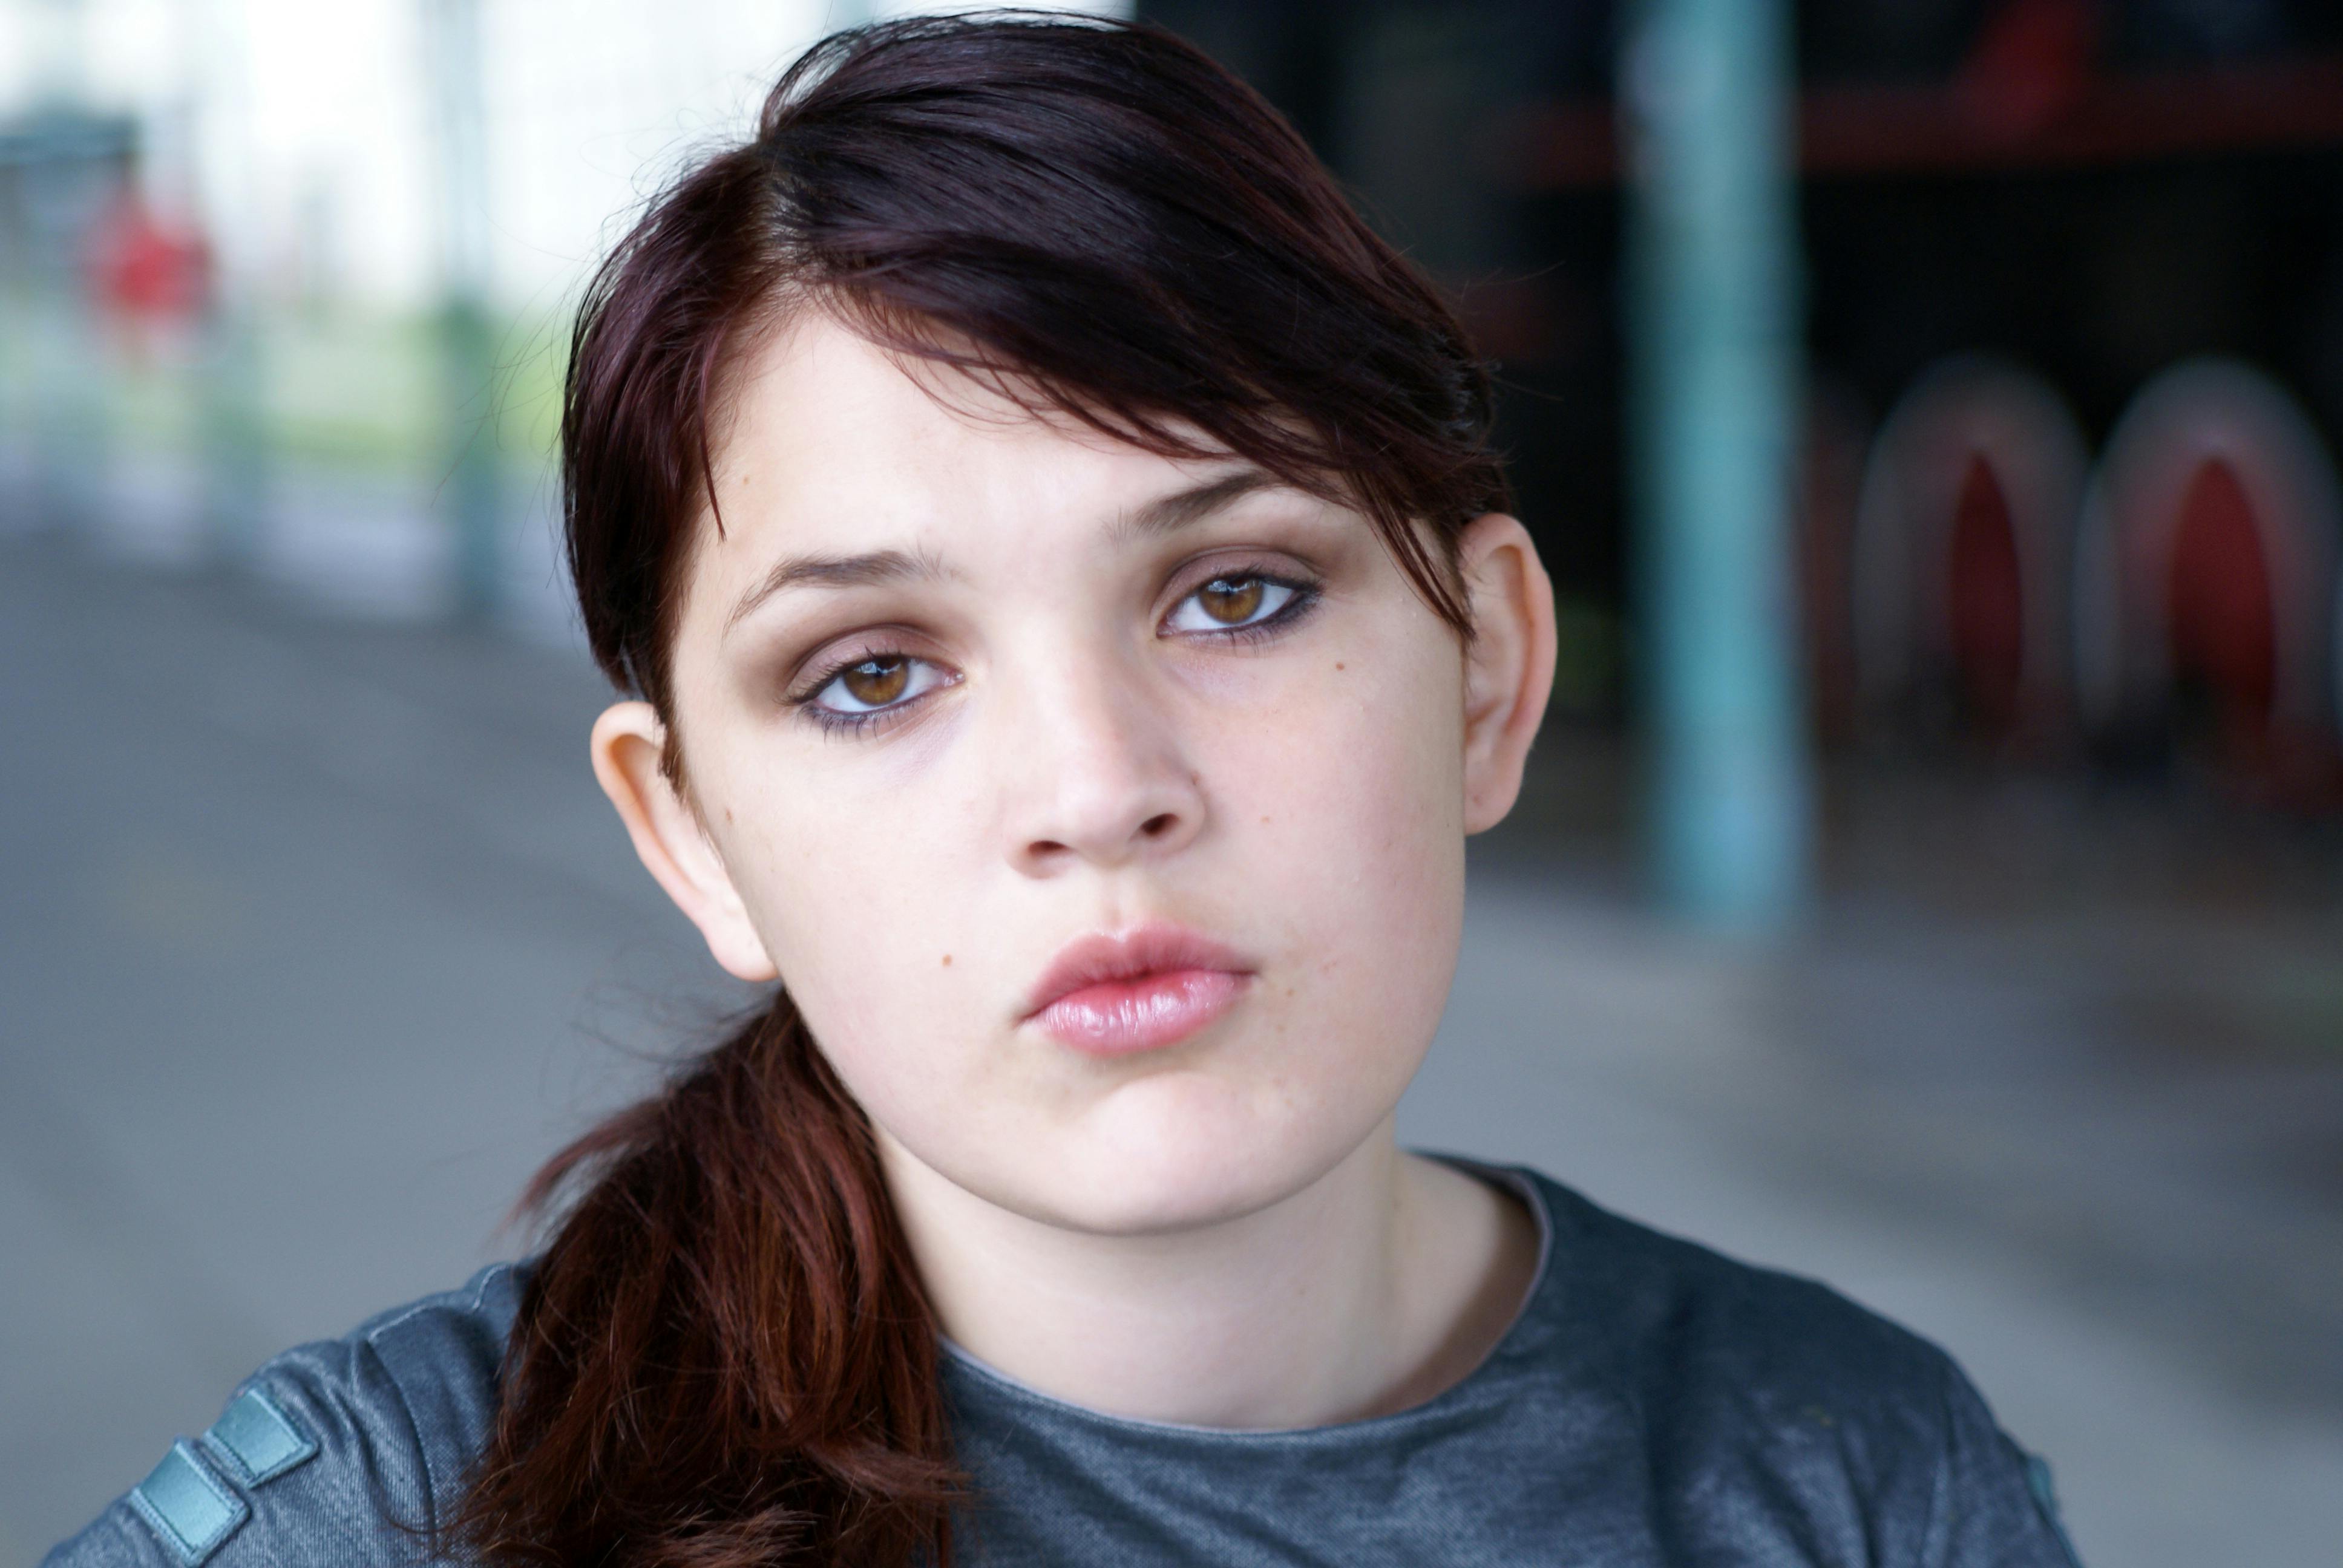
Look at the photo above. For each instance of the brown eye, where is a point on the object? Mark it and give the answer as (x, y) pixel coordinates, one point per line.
(876, 682)
(1232, 604)
(1231, 601)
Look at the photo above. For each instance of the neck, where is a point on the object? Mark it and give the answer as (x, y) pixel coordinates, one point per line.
(1366, 1291)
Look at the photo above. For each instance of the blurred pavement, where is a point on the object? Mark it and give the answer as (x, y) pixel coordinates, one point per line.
(318, 937)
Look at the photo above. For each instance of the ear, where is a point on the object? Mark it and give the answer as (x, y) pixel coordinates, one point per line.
(1508, 663)
(675, 849)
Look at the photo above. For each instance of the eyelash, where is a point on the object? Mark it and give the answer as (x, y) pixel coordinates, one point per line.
(1305, 598)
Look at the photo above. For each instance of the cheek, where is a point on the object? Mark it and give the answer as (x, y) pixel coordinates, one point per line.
(1351, 823)
(847, 895)
(1367, 784)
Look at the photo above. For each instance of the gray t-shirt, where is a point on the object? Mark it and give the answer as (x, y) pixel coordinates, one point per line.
(1651, 1403)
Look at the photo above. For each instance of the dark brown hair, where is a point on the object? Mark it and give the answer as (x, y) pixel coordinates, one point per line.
(724, 1356)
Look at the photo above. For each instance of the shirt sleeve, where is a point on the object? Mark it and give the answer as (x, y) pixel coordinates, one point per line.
(311, 1462)
(349, 1452)
(1993, 1505)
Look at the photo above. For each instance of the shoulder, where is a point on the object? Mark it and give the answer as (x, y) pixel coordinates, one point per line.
(347, 1451)
(1671, 1309)
(1825, 1420)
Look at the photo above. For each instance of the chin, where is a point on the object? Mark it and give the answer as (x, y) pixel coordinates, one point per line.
(1168, 1156)
(1134, 1205)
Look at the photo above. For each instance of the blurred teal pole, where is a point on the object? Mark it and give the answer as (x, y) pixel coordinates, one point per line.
(472, 475)
(1716, 384)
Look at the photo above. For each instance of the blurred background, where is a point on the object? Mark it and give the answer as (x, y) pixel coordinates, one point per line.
(1931, 878)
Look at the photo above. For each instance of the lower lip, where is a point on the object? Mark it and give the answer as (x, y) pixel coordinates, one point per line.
(1117, 1018)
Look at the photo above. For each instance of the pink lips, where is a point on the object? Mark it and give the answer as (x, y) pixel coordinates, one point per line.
(1151, 987)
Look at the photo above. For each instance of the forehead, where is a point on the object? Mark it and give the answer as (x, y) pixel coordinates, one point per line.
(833, 440)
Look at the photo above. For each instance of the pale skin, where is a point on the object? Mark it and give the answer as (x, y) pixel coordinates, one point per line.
(955, 686)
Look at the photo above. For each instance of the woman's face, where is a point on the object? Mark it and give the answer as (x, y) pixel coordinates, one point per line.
(1103, 813)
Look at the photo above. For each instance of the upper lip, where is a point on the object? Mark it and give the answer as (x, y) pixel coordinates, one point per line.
(1152, 949)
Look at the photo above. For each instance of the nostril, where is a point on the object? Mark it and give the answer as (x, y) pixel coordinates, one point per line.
(1157, 825)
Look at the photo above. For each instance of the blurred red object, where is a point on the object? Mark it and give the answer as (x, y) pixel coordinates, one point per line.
(1962, 558)
(2224, 627)
(2031, 64)
(1985, 588)
(2205, 600)
(147, 270)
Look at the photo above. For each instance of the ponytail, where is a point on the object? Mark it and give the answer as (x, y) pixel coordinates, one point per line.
(724, 1359)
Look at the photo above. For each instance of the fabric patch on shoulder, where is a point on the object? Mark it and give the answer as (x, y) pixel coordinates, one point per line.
(262, 1439)
(186, 1507)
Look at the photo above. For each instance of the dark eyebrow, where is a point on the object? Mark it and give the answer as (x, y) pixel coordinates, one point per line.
(1163, 515)
(834, 571)
(1168, 514)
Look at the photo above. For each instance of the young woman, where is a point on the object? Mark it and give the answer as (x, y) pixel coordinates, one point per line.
(1071, 621)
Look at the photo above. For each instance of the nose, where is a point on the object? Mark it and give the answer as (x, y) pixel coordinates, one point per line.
(1096, 773)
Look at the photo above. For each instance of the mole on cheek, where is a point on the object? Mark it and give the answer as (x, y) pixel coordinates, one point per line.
(1339, 665)
(948, 960)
